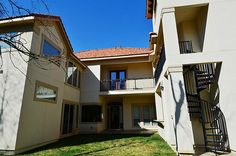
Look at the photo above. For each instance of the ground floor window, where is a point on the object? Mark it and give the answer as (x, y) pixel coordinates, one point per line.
(45, 92)
(70, 118)
(143, 115)
(91, 113)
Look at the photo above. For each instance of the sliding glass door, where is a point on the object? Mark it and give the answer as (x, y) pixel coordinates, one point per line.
(70, 118)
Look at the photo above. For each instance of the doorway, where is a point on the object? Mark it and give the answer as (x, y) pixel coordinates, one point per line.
(115, 116)
(70, 118)
(117, 80)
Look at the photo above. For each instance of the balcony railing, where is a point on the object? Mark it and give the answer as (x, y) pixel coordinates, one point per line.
(185, 47)
(127, 84)
(160, 64)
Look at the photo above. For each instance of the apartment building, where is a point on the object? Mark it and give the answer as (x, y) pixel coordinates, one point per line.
(194, 46)
(117, 90)
(47, 92)
(39, 90)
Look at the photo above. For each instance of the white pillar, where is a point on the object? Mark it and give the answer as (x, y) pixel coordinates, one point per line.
(181, 119)
(168, 112)
(170, 32)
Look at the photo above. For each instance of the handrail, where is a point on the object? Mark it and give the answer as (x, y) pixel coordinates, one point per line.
(128, 79)
(127, 84)
(185, 47)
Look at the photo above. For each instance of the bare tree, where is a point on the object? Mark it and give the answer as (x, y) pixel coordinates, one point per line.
(13, 41)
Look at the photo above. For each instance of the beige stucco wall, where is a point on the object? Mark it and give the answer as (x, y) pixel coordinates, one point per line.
(90, 88)
(133, 70)
(40, 121)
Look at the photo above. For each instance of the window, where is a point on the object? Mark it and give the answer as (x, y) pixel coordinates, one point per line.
(70, 118)
(91, 113)
(49, 49)
(73, 75)
(146, 115)
(142, 115)
(45, 92)
(136, 115)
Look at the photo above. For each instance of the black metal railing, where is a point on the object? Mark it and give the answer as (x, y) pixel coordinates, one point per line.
(127, 84)
(160, 64)
(185, 47)
(198, 78)
(216, 135)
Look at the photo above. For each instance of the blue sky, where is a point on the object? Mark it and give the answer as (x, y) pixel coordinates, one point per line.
(95, 24)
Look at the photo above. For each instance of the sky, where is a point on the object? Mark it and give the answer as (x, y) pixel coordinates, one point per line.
(96, 24)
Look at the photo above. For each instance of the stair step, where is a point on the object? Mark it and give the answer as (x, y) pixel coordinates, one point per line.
(194, 95)
(211, 128)
(201, 88)
(215, 148)
(205, 78)
(214, 141)
(194, 112)
(204, 83)
(200, 71)
(204, 74)
(211, 134)
(193, 106)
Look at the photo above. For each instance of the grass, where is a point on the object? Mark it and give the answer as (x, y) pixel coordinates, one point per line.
(107, 145)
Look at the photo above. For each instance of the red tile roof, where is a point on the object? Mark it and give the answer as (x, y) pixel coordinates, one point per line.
(111, 52)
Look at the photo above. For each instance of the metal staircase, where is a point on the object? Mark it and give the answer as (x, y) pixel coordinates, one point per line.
(198, 78)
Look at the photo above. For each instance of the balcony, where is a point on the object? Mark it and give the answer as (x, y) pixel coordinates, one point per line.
(127, 84)
(185, 47)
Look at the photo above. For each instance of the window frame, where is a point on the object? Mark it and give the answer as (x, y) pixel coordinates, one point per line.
(117, 80)
(45, 38)
(78, 76)
(76, 116)
(43, 84)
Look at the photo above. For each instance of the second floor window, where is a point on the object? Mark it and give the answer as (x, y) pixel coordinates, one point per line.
(73, 75)
(49, 49)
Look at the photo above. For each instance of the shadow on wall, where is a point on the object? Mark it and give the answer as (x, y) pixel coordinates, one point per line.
(3, 101)
(179, 102)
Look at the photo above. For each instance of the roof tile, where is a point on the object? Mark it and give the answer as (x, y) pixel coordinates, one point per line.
(111, 52)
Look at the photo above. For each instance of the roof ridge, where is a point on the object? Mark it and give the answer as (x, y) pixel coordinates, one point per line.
(84, 51)
(111, 52)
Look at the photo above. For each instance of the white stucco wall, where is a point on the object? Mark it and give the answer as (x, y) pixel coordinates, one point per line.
(219, 46)
(12, 82)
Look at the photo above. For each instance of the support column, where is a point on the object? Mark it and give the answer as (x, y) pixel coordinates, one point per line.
(170, 32)
(180, 116)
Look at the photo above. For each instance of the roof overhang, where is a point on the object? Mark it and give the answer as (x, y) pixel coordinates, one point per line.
(149, 8)
(32, 18)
